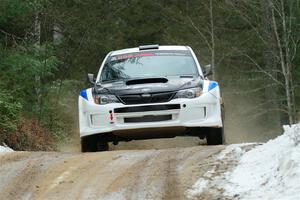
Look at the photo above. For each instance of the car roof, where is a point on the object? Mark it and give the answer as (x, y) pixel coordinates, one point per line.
(136, 49)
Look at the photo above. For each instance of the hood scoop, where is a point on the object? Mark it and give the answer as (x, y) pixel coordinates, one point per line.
(146, 80)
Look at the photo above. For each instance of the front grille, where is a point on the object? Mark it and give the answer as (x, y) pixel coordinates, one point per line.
(146, 98)
(148, 118)
(147, 108)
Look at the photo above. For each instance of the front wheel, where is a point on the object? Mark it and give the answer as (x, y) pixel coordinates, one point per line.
(215, 136)
(102, 145)
(93, 144)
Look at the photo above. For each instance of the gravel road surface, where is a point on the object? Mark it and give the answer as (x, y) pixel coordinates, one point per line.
(120, 174)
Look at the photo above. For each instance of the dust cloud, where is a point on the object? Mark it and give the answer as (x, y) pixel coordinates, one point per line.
(243, 122)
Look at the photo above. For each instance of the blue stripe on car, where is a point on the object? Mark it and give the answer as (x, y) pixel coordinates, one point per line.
(212, 85)
(84, 94)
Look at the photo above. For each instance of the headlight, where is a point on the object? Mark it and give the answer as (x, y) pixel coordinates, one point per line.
(105, 99)
(188, 93)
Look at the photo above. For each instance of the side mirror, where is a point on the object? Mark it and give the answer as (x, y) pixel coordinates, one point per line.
(207, 70)
(91, 79)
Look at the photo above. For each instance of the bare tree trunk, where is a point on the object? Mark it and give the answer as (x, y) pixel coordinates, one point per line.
(208, 38)
(212, 34)
(286, 35)
(271, 66)
(284, 68)
(37, 37)
(37, 28)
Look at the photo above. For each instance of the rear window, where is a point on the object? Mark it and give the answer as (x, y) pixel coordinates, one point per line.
(149, 64)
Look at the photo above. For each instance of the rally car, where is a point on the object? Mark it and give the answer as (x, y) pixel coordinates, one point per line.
(147, 92)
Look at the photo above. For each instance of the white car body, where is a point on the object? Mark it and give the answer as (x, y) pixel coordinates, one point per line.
(202, 111)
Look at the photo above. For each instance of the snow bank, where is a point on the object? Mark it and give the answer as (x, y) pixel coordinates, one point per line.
(213, 181)
(5, 149)
(269, 171)
(197, 188)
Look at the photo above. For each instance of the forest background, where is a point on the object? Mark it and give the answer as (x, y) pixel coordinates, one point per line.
(47, 47)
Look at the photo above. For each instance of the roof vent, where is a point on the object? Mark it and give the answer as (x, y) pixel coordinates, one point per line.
(146, 47)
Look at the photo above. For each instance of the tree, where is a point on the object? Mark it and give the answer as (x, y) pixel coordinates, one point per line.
(280, 28)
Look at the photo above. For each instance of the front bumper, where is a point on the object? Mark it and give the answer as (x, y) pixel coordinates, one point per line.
(203, 111)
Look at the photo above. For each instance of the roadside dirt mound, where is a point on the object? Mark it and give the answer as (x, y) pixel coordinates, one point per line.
(29, 135)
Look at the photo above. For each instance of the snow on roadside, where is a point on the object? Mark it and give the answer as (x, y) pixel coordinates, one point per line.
(211, 181)
(235, 149)
(197, 188)
(269, 171)
(5, 149)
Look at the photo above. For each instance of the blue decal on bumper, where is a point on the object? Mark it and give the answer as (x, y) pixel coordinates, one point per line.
(212, 85)
(84, 94)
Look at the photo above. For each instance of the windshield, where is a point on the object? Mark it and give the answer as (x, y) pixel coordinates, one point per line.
(149, 64)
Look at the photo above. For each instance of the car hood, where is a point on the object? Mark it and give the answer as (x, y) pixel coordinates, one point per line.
(172, 84)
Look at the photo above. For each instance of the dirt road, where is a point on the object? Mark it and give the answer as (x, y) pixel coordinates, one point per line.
(130, 174)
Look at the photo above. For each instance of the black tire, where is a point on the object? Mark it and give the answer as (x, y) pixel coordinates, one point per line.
(89, 144)
(215, 136)
(93, 144)
(102, 145)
